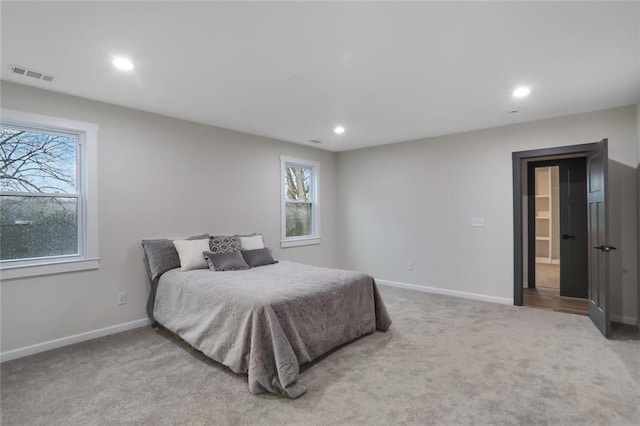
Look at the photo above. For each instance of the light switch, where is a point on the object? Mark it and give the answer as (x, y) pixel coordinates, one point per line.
(477, 221)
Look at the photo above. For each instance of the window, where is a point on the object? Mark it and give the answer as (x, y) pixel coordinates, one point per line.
(47, 195)
(300, 211)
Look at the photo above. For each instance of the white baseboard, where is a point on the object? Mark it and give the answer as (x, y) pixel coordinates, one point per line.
(625, 320)
(70, 340)
(447, 292)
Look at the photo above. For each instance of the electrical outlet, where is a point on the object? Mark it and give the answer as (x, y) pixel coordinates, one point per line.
(410, 266)
(122, 298)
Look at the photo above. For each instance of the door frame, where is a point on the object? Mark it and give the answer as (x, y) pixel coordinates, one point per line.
(518, 172)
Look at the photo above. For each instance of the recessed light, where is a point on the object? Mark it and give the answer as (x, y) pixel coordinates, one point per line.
(122, 64)
(339, 130)
(521, 92)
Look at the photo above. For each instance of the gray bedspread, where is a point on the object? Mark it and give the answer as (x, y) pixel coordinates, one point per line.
(267, 321)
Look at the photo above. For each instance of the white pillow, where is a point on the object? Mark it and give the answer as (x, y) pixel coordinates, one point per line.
(191, 254)
(253, 242)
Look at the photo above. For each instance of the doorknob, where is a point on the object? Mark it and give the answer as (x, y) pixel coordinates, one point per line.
(605, 248)
(568, 237)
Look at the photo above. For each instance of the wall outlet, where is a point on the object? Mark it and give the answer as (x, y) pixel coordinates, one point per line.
(122, 298)
(410, 266)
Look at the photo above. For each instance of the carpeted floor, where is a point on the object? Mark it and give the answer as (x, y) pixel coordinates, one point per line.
(445, 361)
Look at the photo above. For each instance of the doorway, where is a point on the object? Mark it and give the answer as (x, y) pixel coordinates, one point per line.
(545, 226)
(557, 231)
(596, 245)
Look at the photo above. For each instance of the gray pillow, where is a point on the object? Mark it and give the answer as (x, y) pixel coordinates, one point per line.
(258, 257)
(228, 261)
(161, 255)
(224, 243)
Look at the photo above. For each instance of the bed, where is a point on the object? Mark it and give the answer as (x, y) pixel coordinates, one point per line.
(267, 321)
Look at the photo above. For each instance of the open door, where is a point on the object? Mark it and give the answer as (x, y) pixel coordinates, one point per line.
(574, 252)
(598, 231)
(597, 248)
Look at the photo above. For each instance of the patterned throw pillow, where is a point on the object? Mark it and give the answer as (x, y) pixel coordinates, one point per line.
(224, 243)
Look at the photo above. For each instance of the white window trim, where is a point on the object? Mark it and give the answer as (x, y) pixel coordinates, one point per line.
(88, 257)
(314, 238)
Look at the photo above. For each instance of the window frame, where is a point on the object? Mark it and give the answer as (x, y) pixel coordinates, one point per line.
(86, 181)
(315, 237)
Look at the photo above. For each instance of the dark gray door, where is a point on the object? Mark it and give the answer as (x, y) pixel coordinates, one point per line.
(573, 228)
(598, 231)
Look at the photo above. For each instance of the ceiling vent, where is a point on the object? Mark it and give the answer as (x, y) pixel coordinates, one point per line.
(315, 141)
(31, 73)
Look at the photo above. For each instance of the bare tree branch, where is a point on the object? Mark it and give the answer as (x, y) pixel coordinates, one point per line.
(36, 162)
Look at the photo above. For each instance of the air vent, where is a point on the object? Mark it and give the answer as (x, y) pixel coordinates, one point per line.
(34, 74)
(315, 141)
(31, 73)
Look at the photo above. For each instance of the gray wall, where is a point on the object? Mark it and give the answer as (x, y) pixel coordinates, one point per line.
(638, 208)
(158, 177)
(414, 201)
(163, 177)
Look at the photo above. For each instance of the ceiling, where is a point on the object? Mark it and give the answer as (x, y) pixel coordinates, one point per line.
(386, 71)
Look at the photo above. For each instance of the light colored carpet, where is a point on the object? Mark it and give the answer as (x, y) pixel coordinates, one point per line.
(444, 361)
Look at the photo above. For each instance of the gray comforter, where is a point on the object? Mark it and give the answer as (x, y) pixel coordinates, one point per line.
(269, 320)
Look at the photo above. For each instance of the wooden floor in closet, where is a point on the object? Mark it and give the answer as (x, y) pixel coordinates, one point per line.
(546, 295)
